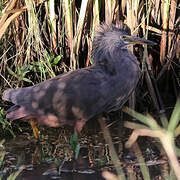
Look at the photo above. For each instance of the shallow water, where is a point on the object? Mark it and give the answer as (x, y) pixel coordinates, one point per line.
(53, 158)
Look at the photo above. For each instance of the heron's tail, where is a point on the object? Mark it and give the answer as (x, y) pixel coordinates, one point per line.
(16, 112)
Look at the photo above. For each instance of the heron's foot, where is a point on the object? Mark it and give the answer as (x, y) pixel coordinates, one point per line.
(74, 144)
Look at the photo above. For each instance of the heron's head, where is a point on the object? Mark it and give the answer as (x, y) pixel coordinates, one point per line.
(109, 40)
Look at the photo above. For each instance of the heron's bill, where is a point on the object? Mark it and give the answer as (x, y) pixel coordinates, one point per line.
(131, 40)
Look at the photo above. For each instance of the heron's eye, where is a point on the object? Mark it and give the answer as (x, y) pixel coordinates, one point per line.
(123, 37)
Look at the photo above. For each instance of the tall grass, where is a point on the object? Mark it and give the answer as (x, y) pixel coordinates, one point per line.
(40, 27)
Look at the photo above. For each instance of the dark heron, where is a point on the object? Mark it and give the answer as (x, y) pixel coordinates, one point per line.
(75, 97)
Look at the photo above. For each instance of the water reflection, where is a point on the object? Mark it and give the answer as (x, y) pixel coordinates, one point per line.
(52, 158)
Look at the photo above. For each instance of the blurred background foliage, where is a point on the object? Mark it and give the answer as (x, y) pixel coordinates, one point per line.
(40, 39)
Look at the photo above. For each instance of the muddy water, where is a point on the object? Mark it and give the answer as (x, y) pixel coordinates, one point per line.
(53, 158)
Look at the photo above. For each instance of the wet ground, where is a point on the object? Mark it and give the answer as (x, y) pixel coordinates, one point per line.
(53, 158)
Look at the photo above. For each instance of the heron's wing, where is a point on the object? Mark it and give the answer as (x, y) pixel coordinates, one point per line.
(19, 95)
(79, 94)
(75, 95)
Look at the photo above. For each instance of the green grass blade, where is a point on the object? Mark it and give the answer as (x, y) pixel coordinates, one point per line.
(175, 117)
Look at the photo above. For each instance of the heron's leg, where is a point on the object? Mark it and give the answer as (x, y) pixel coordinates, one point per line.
(35, 129)
(79, 125)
